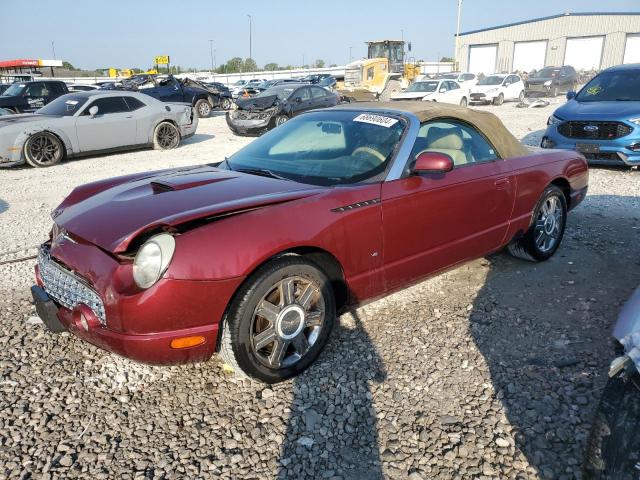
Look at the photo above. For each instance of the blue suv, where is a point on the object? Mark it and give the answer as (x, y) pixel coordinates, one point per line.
(601, 121)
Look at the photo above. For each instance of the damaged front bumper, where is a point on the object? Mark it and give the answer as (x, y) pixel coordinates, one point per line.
(242, 122)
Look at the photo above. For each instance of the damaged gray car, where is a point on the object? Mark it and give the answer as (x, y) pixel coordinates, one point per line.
(613, 449)
(276, 105)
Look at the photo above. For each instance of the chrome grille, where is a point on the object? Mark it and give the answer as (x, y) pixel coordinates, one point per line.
(65, 288)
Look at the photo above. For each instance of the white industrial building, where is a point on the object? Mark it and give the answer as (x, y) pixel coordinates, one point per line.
(586, 41)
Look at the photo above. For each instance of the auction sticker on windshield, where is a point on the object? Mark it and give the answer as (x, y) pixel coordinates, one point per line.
(376, 119)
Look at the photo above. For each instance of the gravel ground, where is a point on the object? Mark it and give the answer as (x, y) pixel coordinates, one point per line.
(492, 370)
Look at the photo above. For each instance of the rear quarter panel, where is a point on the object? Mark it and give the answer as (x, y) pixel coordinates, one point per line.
(533, 173)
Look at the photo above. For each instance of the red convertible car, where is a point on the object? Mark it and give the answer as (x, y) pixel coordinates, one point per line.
(254, 257)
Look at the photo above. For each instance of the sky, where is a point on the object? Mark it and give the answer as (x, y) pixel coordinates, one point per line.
(124, 34)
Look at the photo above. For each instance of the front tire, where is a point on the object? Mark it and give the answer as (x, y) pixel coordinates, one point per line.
(203, 107)
(43, 149)
(554, 91)
(521, 96)
(543, 238)
(392, 86)
(166, 136)
(280, 119)
(499, 100)
(279, 321)
(226, 104)
(463, 102)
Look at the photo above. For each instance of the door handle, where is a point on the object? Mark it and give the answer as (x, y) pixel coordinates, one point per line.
(502, 182)
(129, 116)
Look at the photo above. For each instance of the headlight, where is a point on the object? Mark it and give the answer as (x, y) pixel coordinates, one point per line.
(635, 120)
(553, 120)
(547, 83)
(153, 259)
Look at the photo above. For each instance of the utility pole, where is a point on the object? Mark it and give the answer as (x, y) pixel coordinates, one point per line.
(215, 61)
(350, 56)
(455, 56)
(302, 60)
(53, 48)
(211, 55)
(250, 28)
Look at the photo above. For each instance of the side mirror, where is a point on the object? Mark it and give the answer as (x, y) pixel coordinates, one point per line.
(571, 95)
(93, 111)
(433, 162)
(442, 90)
(298, 100)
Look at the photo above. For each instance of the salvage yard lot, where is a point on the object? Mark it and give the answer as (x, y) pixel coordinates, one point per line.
(491, 370)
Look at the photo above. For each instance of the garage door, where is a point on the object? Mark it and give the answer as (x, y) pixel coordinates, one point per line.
(632, 49)
(482, 58)
(584, 53)
(529, 55)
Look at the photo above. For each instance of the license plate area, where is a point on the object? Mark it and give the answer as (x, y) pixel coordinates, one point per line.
(588, 148)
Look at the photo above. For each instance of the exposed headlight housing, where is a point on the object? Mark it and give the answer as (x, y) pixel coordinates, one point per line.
(153, 259)
(553, 120)
(547, 83)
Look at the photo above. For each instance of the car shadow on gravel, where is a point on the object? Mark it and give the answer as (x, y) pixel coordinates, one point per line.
(197, 138)
(544, 330)
(4, 206)
(533, 138)
(331, 431)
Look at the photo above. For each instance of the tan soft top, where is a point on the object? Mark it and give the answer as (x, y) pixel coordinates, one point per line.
(490, 125)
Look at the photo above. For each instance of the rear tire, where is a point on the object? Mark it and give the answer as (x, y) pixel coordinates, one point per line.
(613, 445)
(203, 107)
(499, 100)
(545, 234)
(287, 307)
(521, 96)
(43, 149)
(463, 102)
(166, 136)
(554, 91)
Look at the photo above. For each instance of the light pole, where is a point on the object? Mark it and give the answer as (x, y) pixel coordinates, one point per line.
(215, 61)
(250, 35)
(350, 56)
(455, 56)
(211, 54)
(53, 48)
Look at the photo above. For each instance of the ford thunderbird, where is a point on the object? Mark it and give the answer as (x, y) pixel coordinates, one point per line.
(254, 257)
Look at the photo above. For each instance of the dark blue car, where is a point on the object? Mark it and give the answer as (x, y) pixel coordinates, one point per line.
(601, 121)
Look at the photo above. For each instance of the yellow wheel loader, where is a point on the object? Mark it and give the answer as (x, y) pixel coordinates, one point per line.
(380, 75)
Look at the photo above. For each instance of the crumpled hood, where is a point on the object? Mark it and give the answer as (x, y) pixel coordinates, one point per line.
(255, 104)
(22, 118)
(113, 212)
(575, 110)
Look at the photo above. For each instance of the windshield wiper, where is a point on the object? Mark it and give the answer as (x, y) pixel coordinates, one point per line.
(260, 171)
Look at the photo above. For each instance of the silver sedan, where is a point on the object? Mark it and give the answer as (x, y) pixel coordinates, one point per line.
(97, 121)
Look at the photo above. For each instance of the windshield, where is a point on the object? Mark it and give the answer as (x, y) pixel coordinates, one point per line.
(449, 76)
(547, 73)
(491, 80)
(282, 91)
(64, 106)
(14, 90)
(325, 148)
(327, 81)
(239, 83)
(622, 85)
(423, 87)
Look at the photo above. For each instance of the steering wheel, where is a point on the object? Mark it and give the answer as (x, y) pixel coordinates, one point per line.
(371, 151)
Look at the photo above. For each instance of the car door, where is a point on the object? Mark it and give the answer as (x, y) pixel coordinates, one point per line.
(431, 222)
(112, 127)
(455, 93)
(321, 98)
(440, 95)
(301, 101)
(55, 90)
(141, 113)
(517, 86)
(33, 97)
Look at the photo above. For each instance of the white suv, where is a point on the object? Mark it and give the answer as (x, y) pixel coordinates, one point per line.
(497, 88)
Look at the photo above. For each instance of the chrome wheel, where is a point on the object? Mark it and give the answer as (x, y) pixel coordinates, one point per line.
(204, 109)
(226, 104)
(280, 120)
(43, 150)
(549, 224)
(167, 136)
(287, 322)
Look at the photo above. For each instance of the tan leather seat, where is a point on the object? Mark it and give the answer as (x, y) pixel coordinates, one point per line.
(448, 141)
